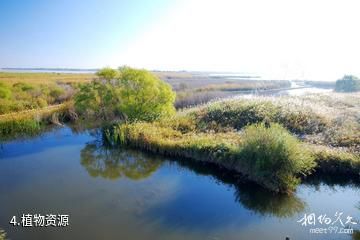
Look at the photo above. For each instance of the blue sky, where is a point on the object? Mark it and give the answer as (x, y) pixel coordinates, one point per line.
(56, 33)
(277, 38)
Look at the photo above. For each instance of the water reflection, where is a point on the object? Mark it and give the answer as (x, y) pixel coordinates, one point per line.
(250, 195)
(113, 163)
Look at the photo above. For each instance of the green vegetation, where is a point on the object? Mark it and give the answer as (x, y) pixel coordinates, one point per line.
(254, 137)
(31, 122)
(272, 141)
(98, 100)
(131, 93)
(25, 95)
(2, 234)
(44, 78)
(269, 156)
(275, 156)
(348, 83)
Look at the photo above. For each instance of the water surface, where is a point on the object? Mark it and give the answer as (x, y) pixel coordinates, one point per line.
(127, 194)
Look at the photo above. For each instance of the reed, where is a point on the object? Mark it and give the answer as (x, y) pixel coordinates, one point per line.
(31, 121)
(228, 150)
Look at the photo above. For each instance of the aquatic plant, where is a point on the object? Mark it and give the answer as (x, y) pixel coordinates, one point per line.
(229, 150)
(239, 113)
(31, 121)
(265, 151)
(274, 156)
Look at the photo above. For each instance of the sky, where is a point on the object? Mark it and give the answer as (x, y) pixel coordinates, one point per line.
(284, 39)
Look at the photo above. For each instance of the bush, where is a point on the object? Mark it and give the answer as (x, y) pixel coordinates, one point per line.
(134, 94)
(348, 83)
(144, 96)
(275, 156)
(5, 92)
(107, 74)
(98, 100)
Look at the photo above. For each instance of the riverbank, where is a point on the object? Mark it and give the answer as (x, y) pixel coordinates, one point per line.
(326, 126)
(31, 122)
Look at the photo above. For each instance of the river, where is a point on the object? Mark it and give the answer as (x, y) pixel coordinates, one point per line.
(126, 194)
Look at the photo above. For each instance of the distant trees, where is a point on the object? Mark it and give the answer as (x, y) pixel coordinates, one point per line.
(348, 83)
(131, 93)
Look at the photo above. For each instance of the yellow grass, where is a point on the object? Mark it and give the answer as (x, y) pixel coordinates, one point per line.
(45, 78)
(33, 113)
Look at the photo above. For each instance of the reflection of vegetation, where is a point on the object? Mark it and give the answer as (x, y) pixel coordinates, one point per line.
(250, 195)
(332, 180)
(268, 203)
(356, 235)
(115, 163)
(2, 234)
(211, 133)
(269, 156)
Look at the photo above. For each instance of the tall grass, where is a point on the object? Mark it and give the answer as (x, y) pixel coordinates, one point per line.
(252, 136)
(239, 113)
(31, 121)
(274, 156)
(229, 150)
(44, 78)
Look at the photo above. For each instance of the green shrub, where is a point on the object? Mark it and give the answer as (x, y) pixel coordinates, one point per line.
(5, 92)
(99, 100)
(144, 96)
(275, 156)
(135, 94)
(348, 83)
(107, 74)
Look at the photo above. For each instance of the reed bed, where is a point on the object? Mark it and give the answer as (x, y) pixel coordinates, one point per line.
(271, 141)
(30, 121)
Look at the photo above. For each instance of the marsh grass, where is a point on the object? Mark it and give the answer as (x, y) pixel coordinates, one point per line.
(44, 78)
(31, 121)
(239, 113)
(332, 161)
(272, 141)
(230, 150)
(275, 156)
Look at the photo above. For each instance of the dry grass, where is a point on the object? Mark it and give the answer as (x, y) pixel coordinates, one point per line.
(45, 78)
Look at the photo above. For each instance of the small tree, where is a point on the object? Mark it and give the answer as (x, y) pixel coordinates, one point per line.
(144, 96)
(133, 93)
(107, 74)
(99, 100)
(348, 83)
